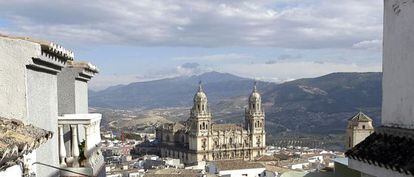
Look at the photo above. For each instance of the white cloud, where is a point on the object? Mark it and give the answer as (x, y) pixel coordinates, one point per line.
(288, 70)
(101, 82)
(286, 24)
(375, 44)
(215, 58)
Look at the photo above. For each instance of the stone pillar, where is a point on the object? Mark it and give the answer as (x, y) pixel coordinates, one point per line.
(75, 145)
(62, 149)
(87, 139)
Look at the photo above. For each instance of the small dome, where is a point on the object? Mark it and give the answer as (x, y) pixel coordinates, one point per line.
(255, 96)
(200, 95)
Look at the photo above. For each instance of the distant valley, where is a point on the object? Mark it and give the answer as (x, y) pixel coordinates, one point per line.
(319, 105)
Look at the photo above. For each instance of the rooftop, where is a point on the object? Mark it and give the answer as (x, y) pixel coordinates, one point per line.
(342, 160)
(174, 172)
(17, 139)
(360, 117)
(84, 65)
(226, 127)
(47, 46)
(236, 165)
(387, 147)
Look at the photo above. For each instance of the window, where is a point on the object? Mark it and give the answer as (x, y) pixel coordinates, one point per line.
(204, 143)
(363, 127)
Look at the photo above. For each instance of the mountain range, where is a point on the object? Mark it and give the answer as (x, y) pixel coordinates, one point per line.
(312, 105)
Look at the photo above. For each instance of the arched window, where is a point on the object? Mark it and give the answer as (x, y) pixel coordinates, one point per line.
(204, 125)
(201, 127)
(198, 107)
(363, 126)
(202, 107)
(253, 106)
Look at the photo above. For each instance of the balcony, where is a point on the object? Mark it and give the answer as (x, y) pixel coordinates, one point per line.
(79, 145)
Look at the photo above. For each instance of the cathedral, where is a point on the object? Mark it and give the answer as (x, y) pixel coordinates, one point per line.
(199, 139)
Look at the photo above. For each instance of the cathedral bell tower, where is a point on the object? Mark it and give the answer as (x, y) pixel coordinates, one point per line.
(200, 121)
(255, 122)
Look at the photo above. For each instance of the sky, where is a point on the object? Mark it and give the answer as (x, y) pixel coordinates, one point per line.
(279, 40)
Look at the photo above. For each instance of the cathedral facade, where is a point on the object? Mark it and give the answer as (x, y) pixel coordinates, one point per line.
(199, 139)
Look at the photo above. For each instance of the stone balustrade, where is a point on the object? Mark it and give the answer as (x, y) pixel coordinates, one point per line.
(81, 128)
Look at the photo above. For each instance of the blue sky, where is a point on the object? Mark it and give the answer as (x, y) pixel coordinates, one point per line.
(147, 39)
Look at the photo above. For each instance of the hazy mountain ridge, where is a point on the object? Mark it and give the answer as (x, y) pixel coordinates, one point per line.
(336, 98)
(172, 92)
(315, 105)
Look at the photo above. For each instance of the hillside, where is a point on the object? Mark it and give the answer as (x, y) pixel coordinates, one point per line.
(171, 92)
(312, 105)
(323, 104)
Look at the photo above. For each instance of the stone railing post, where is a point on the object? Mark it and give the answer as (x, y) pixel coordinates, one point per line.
(75, 145)
(87, 139)
(62, 150)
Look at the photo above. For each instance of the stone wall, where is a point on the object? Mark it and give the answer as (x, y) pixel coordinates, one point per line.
(398, 64)
(14, 56)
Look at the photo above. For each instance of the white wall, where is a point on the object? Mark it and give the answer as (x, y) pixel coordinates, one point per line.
(81, 97)
(28, 95)
(14, 56)
(398, 64)
(12, 171)
(43, 113)
(372, 170)
(242, 172)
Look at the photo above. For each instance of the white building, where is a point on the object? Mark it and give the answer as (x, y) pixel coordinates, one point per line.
(42, 85)
(389, 151)
(236, 168)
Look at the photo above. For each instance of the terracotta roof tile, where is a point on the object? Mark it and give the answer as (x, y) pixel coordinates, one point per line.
(17, 139)
(387, 147)
(360, 117)
(237, 164)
